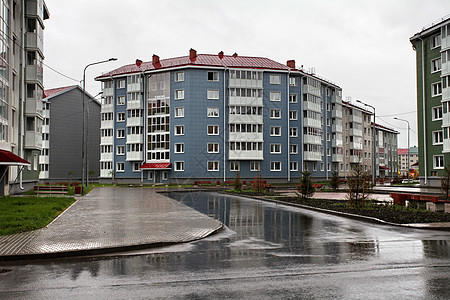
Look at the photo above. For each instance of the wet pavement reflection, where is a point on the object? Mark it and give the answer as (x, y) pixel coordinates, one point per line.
(266, 251)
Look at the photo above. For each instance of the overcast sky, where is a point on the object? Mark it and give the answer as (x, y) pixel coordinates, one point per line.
(362, 46)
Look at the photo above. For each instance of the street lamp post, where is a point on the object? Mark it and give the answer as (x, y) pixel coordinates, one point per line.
(408, 142)
(84, 142)
(373, 141)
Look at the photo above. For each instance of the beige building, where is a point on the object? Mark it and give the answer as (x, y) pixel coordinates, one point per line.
(403, 159)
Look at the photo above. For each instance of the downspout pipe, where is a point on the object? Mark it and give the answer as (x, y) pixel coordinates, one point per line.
(424, 116)
(224, 125)
(22, 96)
(288, 151)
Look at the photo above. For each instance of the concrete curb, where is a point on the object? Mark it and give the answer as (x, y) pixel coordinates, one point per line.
(348, 215)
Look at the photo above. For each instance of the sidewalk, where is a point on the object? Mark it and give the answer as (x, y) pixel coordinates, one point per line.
(111, 219)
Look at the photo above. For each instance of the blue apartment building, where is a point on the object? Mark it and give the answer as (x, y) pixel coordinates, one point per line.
(205, 117)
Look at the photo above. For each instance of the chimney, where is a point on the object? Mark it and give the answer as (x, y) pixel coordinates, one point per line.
(155, 59)
(138, 62)
(221, 54)
(192, 54)
(235, 55)
(291, 64)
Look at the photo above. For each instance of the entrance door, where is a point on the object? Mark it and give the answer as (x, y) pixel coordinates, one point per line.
(157, 176)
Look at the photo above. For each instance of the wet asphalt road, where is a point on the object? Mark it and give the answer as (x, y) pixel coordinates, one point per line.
(266, 252)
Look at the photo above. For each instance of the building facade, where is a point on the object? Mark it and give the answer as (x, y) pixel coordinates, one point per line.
(21, 89)
(432, 46)
(207, 117)
(62, 135)
(403, 160)
(386, 154)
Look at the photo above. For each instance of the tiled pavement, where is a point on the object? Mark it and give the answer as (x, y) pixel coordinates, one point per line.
(108, 219)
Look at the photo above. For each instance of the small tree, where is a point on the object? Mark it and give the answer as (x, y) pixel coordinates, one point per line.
(70, 177)
(445, 182)
(306, 188)
(237, 182)
(335, 181)
(91, 175)
(359, 186)
(258, 184)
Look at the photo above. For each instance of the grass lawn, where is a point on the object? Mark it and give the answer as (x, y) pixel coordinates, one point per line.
(19, 214)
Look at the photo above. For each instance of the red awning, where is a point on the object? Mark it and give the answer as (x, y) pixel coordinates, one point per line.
(156, 166)
(7, 158)
(384, 168)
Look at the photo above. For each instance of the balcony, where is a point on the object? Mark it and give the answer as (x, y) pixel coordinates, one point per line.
(43, 174)
(105, 173)
(446, 146)
(446, 119)
(134, 87)
(34, 41)
(135, 104)
(356, 119)
(336, 99)
(135, 139)
(108, 92)
(106, 140)
(107, 108)
(245, 155)
(445, 94)
(33, 140)
(246, 83)
(34, 73)
(135, 156)
(312, 139)
(43, 159)
(135, 121)
(308, 122)
(312, 156)
(336, 114)
(309, 89)
(354, 159)
(106, 156)
(249, 101)
(336, 128)
(248, 119)
(246, 136)
(337, 158)
(355, 146)
(355, 132)
(336, 143)
(107, 124)
(33, 106)
(307, 105)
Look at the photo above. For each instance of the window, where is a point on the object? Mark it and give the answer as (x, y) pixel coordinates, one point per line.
(435, 65)
(436, 113)
(213, 112)
(134, 96)
(328, 122)
(136, 167)
(275, 96)
(436, 89)
(292, 98)
(179, 166)
(179, 94)
(179, 112)
(438, 137)
(212, 94)
(121, 100)
(255, 166)
(179, 76)
(213, 148)
(120, 150)
(120, 117)
(121, 84)
(293, 148)
(293, 132)
(120, 167)
(292, 81)
(213, 166)
(213, 129)
(275, 79)
(438, 162)
(275, 148)
(179, 148)
(164, 175)
(179, 130)
(435, 41)
(213, 76)
(235, 166)
(275, 131)
(150, 175)
(294, 166)
(120, 133)
(293, 115)
(275, 113)
(275, 166)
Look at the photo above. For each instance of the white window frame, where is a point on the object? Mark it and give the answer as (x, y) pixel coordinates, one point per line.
(275, 130)
(179, 112)
(437, 110)
(438, 137)
(235, 166)
(274, 166)
(275, 96)
(120, 135)
(212, 94)
(255, 166)
(293, 98)
(436, 86)
(120, 100)
(293, 115)
(121, 84)
(293, 166)
(120, 167)
(293, 149)
(120, 150)
(435, 41)
(273, 113)
(213, 166)
(436, 65)
(275, 79)
(215, 75)
(179, 76)
(438, 161)
(212, 112)
(178, 166)
(137, 169)
(275, 148)
(293, 132)
(215, 130)
(293, 81)
(180, 146)
(177, 128)
(179, 94)
(120, 117)
(214, 148)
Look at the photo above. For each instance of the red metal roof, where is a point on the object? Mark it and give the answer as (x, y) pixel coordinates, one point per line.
(156, 166)
(10, 159)
(200, 60)
(384, 168)
(52, 92)
(402, 151)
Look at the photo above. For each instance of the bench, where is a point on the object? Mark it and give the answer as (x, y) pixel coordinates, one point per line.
(50, 189)
(432, 202)
(197, 183)
(315, 185)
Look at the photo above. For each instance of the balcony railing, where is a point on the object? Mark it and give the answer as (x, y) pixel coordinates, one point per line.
(245, 155)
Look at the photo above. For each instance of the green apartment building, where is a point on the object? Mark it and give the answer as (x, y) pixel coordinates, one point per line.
(432, 46)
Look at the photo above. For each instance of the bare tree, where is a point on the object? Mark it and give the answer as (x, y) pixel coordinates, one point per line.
(359, 186)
